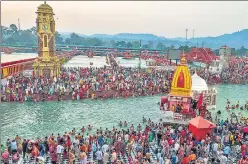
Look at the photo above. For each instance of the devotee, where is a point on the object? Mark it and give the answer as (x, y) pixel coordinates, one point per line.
(173, 144)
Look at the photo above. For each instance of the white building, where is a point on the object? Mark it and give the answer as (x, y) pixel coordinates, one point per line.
(215, 67)
(199, 86)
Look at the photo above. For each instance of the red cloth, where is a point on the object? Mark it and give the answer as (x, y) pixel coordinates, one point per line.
(200, 101)
(245, 129)
(180, 80)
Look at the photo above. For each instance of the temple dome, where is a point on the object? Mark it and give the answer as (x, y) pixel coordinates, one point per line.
(45, 8)
(181, 82)
(198, 84)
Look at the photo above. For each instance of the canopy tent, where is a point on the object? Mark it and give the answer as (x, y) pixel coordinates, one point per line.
(200, 127)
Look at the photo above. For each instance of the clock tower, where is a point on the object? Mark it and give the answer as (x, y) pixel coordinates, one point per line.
(47, 64)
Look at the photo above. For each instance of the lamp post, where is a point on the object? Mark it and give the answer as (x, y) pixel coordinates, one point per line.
(140, 57)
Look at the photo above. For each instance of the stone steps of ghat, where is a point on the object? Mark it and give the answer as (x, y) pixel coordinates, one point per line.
(89, 159)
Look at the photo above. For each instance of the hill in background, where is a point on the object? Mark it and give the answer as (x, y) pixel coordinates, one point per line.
(234, 40)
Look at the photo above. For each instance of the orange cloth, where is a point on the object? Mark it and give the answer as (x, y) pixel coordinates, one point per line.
(84, 148)
(82, 155)
(192, 157)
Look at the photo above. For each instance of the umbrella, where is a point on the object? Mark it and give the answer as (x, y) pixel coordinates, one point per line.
(245, 129)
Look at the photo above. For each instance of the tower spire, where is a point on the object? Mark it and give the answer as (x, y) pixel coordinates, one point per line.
(19, 25)
(186, 33)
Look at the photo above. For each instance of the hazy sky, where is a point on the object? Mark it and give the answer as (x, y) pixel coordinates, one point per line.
(169, 19)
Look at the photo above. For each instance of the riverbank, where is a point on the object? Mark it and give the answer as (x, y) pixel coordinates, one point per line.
(42, 118)
(102, 95)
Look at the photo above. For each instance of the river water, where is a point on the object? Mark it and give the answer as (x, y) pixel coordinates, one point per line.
(43, 118)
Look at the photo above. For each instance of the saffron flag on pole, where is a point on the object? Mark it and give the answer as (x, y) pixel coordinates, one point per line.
(200, 101)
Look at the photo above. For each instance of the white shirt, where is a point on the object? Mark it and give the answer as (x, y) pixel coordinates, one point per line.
(176, 147)
(215, 147)
(167, 161)
(223, 159)
(99, 155)
(105, 148)
(205, 160)
(105, 158)
(60, 149)
(126, 137)
(76, 142)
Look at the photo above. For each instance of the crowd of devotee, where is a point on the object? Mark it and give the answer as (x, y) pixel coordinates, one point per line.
(82, 83)
(235, 73)
(147, 142)
(107, 82)
(154, 143)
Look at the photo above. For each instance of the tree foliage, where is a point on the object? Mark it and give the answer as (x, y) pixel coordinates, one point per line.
(185, 48)
(12, 36)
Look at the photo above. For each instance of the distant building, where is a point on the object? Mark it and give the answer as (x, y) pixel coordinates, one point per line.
(174, 54)
(215, 67)
(225, 54)
(233, 51)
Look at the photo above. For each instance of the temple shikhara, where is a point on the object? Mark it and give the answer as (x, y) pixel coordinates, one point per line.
(47, 64)
(181, 87)
(185, 90)
(179, 98)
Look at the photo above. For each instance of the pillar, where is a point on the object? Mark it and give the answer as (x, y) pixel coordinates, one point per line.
(34, 74)
(51, 72)
(40, 72)
(57, 71)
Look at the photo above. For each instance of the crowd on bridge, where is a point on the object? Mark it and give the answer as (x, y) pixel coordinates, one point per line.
(155, 143)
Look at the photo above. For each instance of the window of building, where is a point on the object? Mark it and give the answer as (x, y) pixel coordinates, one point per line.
(45, 40)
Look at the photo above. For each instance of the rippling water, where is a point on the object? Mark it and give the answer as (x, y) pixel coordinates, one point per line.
(39, 119)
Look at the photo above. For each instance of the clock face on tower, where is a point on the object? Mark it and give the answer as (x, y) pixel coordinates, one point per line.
(44, 27)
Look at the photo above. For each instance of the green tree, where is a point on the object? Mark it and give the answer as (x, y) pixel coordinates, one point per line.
(4, 31)
(121, 44)
(58, 38)
(172, 47)
(129, 45)
(242, 51)
(150, 44)
(136, 44)
(160, 46)
(67, 41)
(33, 29)
(75, 39)
(113, 43)
(145, 46)
(25, 37)
(184, 48)
(13, 29)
